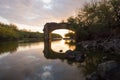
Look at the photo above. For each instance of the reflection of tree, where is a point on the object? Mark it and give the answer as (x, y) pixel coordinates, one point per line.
(51, 54)
(8, 47)
(70, 35)
(94, 58)
(70, 43)
(91, 64)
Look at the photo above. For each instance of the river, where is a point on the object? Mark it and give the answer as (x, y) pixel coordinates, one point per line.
(27, 61)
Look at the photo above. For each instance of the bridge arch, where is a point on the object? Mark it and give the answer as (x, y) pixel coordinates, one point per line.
(48, 28)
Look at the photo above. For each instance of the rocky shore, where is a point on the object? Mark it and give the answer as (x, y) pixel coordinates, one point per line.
(107, 69)
(109, 45)
(75, 55)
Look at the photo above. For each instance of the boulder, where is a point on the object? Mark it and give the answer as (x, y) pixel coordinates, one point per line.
(111, 45)
(68, 51)
(69, 54)
(105, 68)
(104, 71)
(75, 55)
(93, 76)
(80, 57)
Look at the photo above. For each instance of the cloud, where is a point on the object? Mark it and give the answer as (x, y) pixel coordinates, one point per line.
(37, 12)
(28, 27)
(3, 20)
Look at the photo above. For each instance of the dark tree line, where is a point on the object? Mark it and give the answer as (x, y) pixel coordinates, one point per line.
(97, 20)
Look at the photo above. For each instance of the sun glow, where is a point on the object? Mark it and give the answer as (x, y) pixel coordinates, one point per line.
(46, 1)
(62, 32)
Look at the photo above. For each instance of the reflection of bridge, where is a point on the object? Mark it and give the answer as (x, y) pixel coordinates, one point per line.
(50, 54)
(48, 28)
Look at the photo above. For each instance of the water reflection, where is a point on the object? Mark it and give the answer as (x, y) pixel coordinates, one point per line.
(12, 47)
(63, 45)
(56, 46)
(28, 62)
(47, 74)
(52, 49)
(49, 53)
(40, 61)
(8, 47)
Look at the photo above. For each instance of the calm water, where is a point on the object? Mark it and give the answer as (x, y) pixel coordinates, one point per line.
(27, 61)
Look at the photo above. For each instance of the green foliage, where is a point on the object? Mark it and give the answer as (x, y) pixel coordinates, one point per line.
(54, 35)
(8, 47)
(97, 20)
(71, 35)
(10, 32)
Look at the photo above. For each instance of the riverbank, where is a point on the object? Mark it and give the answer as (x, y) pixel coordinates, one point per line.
(108, 67)
(101, 58)
(105, 45)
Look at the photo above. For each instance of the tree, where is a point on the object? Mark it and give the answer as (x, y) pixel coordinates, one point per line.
(70, 35)
(97, 20)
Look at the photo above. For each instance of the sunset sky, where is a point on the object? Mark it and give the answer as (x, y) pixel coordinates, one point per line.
(33, 14)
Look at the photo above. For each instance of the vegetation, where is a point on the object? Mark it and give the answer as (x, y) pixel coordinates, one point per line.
(97, 20)
(70, 35)
(54, 35)
(8, 47)
(10, 33)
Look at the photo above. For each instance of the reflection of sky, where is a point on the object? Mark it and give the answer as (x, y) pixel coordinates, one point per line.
(28, 46)
(33, 14)
(47, 74)
(55, 45)
(60, 45)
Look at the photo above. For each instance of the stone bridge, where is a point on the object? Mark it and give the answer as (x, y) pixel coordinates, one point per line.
(48, 28)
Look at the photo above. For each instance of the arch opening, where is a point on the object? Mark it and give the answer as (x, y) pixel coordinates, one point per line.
(50, 28)
(61, 32)
(66, 41)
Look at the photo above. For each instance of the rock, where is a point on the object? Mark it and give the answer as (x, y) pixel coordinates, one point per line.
(70, 57)
(75, 55)
(80, 57)
(85, 46)
(93, 76)
(100, 47)
(115, 74)
(105, 58)
(111, 45)
(70, 54)
(105, 68)
(61, 51)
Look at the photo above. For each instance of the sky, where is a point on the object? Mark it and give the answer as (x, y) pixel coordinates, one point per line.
(34, 14)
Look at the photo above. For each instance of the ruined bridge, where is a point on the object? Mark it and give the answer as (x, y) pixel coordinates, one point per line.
(49, 27)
